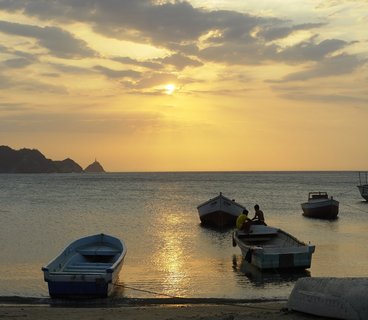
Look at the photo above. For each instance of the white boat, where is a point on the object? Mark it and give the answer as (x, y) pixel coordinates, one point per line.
(363, 186)
(88, 267)
(219, 211)
(319, 205)
(272, 248)
(337, 298)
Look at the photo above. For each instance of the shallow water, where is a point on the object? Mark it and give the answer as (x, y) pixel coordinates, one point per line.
(169, 252)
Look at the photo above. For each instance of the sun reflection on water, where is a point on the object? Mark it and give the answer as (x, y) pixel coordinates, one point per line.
(171, 259)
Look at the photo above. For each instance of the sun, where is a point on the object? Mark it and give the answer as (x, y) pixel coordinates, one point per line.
(170, 88)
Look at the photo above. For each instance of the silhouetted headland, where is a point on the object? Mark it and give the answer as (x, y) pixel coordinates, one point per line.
(33, 161)
(94, 167)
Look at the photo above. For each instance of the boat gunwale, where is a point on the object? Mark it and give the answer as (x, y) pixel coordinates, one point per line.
(329, 202)
(73, 247)
(258, 246)
(218, 197)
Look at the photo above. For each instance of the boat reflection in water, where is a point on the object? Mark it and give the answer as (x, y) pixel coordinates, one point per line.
(270, 276)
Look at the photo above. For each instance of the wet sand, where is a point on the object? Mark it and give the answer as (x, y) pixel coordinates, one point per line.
(153, 311)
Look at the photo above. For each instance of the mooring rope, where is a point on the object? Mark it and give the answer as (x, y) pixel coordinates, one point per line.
(207, 300)
(345, 192)
(349, 205)
(149, 291)
(354, 207)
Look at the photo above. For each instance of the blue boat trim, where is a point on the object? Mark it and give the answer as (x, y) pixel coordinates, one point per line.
(87, 267)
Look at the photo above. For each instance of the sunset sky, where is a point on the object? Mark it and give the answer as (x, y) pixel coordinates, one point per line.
(187, 85)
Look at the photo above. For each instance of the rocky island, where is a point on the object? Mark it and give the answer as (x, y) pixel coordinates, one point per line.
(94, 167)
(33, 161)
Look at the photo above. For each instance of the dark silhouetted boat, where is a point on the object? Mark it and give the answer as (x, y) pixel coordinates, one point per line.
(320, 206)
(219, 212)
(363, 186)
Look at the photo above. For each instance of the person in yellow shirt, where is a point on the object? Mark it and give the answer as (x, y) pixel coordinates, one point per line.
(243, 222)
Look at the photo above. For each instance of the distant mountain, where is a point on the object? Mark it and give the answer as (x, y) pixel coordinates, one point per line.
(67, 166)
(33, 161)
(94, 167)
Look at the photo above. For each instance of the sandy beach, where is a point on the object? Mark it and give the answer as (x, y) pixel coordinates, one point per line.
(157, 311)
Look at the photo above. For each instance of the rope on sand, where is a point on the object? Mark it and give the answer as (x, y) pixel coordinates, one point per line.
(148, 291)
(219, 301)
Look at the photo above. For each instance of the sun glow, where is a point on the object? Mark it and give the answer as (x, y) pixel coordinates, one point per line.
(170, 88)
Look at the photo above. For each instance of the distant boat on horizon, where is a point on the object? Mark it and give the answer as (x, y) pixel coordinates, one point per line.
(363, 187)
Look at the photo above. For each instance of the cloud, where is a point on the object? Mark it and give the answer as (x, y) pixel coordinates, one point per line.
(31, 121)
(165, 22)
(233, 53)
(171, 25)
(193, 35)
(146, 64)
(110, 73)
(18, 53)
(17, 63)
(60, 43)
(180, 61)
(32, 85)
(64, 68)
(151, 83)
(5, 82)
(271, 33)
(337, 98)
(12, 107)
(177, 60)
(333, 66)
(311, 51)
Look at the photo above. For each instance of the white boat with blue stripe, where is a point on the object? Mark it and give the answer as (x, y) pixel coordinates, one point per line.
(88, 267)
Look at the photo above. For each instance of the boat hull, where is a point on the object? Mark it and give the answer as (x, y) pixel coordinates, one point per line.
(337, 298)
(282, 251)
(326, 209)
(289, 260)
(88, 267)
(218, 219)
(363, 189)
(219, 212)
(70, 289)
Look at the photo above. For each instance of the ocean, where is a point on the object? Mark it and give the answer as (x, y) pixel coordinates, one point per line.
(169, 252)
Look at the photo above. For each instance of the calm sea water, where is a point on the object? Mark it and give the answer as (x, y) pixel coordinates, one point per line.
(169, 252)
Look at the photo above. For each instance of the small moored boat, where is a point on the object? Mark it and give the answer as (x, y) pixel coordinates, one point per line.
(272, 248)
(333, 298)
(88, 267)
(319, 205)
(219, 211)
(363, 187)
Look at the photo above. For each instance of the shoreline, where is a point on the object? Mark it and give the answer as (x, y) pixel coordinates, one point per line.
(150, 309)
(123, 301)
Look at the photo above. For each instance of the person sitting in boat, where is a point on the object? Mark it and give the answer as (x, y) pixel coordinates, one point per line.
(258, 216)
(243, 222)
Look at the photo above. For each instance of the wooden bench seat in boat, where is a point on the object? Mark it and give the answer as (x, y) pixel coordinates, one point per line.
(87, 267)
(82, 271)
(89, 264)
(283, 250)
(98, 251)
